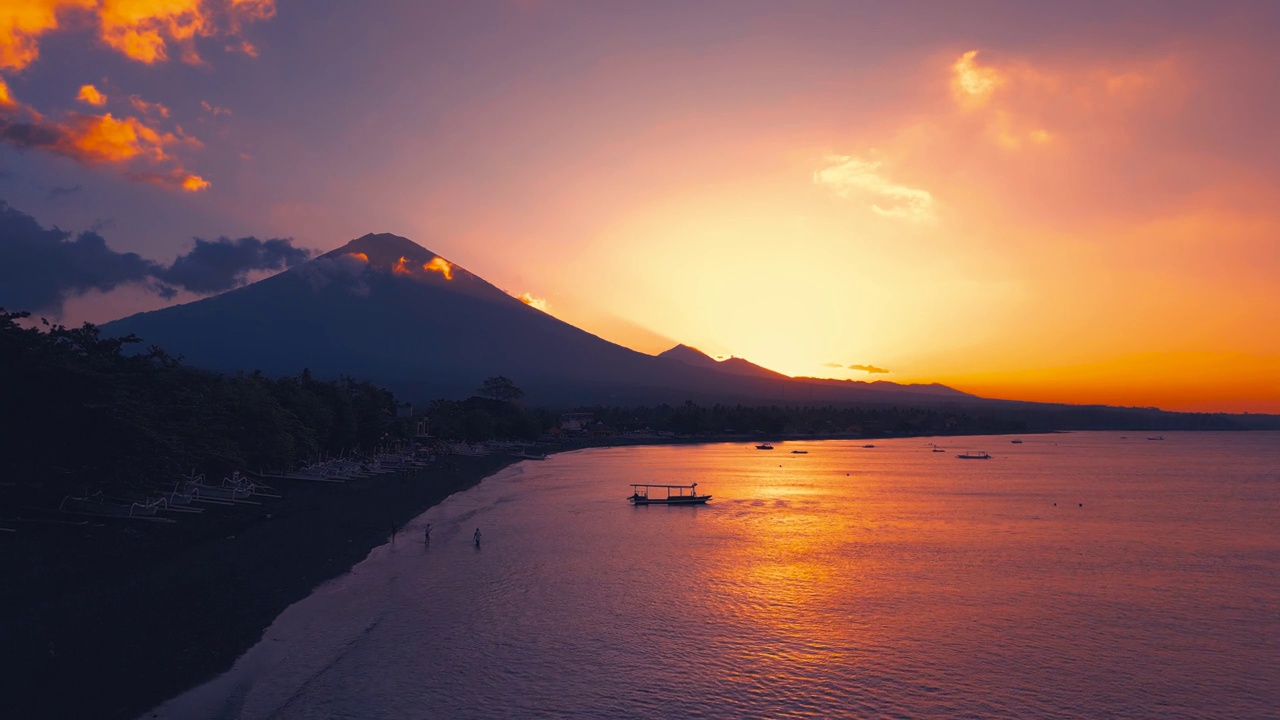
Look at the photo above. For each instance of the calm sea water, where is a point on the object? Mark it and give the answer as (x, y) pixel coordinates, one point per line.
(849, 582)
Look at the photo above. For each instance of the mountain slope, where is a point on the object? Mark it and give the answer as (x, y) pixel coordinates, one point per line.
(385, 309)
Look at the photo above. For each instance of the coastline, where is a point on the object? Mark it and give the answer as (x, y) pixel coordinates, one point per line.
(110, 619)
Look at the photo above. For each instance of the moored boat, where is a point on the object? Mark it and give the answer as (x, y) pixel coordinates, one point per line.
(764, 446)
(640, 495)
(974, 455)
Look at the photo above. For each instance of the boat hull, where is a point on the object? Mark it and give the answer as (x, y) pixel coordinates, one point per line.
(698, 500)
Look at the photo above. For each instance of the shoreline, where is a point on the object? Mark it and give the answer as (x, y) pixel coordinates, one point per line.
(130, 614)
(113, 618)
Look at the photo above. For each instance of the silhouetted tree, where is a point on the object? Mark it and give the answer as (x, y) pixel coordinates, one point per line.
(502, 389)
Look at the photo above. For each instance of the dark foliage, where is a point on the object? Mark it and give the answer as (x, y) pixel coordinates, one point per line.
(78, 413)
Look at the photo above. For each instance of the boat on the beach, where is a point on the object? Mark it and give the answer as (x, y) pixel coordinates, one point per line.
(764, 446)
(96, 504)
(974, 455)
(670, 495)
(529, 456)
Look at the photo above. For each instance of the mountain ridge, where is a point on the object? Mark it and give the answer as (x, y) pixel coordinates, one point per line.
(383, 308)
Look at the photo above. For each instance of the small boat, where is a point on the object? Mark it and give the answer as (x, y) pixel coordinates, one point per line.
(640, 495)
(1161, 437)
(938, 449)
(868, 446)
(974, 455)
(764, 446)
(799, 452)
(1016, 442)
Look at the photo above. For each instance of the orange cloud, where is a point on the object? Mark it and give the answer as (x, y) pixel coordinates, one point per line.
(103, 138)
(359, 256)
(399, 268)
(440, 265)
(534, 302)
(143, 30)
(91, 96)
(100, 140)
(214, 110)
(148, 108)
(972, 85)
(24, 21)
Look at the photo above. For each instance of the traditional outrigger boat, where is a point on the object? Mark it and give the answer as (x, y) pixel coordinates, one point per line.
(640, 495)
(974, 455)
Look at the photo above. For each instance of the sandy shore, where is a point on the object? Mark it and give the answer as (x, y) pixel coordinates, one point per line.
(110, 619)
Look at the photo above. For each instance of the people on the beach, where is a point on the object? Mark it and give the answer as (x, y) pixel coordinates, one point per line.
(476, 537)
(426, 533)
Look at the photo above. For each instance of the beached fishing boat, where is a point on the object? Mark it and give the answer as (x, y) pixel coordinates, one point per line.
(974, 455)
(96, 504)
(642, 494)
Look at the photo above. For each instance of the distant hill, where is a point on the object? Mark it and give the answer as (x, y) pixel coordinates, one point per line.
(384, 308)
(738, 366)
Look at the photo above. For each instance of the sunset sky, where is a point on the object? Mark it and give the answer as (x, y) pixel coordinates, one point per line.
(1045, 201)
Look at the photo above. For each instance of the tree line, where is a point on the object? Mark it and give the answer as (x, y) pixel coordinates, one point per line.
(80, 413)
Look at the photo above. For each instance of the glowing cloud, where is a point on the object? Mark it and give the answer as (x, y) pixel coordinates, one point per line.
(90, 95)
(142, 30)
(103, 138)
(846, 176)
(359, 256)
(440, 265)
(213, 110)
(23, 22)
(534, 302)
(399, 268)
(872, 369)
(972, 85)
(148, 108)
(100, 140)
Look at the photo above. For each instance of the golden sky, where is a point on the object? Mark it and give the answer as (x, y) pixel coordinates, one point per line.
(1016, 199)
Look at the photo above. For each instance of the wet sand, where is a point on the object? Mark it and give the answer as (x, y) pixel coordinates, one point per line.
(110, 619)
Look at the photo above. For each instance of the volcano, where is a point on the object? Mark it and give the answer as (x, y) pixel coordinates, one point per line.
(383, 308)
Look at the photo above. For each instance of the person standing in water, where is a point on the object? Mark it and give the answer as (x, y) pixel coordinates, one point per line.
(476, 537)
(426, 534)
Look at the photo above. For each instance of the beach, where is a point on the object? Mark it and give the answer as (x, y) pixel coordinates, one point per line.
(108, 619)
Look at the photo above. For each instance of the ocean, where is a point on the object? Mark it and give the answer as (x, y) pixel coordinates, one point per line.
(1075, 575)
